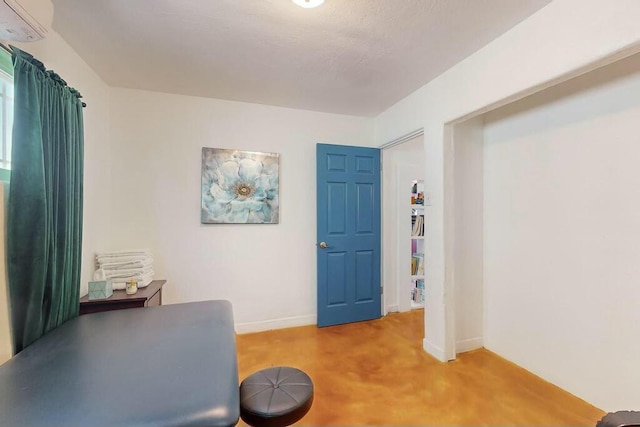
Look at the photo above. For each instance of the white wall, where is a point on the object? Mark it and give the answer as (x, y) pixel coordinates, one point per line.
(562, 40)
(467, 248)
(267, 271)
(562, 230)
(399, 162)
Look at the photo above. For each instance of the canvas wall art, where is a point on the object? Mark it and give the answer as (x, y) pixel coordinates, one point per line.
(239, 187)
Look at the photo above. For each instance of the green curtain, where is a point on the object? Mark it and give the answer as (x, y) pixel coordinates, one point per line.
(44, 218)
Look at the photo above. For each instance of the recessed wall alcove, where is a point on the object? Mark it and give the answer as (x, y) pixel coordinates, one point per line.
(542, 240)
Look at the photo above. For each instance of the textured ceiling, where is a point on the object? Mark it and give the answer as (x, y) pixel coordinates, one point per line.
(355, 57)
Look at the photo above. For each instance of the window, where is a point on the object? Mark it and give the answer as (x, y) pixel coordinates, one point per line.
(6, 109)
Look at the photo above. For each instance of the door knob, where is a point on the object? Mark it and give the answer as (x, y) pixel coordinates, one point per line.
(323, 245)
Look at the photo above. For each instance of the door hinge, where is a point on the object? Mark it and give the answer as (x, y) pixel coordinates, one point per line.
(381, 291)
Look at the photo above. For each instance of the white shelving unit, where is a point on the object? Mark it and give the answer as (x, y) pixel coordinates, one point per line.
(417, 245)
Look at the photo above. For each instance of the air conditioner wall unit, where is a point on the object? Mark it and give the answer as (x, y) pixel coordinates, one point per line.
(16, 24)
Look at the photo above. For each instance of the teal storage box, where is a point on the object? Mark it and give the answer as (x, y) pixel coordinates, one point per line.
(100, 289)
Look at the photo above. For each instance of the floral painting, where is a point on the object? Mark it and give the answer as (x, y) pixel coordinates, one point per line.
(239, 187)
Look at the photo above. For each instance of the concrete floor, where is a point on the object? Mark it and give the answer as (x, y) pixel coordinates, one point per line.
(376, 373)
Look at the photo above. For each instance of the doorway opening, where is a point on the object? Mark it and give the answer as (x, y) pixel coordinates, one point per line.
(403, 224)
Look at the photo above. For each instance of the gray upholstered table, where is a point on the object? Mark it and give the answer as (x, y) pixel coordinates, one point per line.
(172, 365)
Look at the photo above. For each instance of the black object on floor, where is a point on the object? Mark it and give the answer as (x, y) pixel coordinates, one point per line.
(620, 419)
(275, 397)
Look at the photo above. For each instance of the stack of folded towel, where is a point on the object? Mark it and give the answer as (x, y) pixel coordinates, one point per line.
(123, 266)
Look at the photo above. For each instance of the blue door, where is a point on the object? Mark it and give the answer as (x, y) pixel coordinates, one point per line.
(348, 245)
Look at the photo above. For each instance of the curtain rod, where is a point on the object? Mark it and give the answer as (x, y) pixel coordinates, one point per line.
(8, 49)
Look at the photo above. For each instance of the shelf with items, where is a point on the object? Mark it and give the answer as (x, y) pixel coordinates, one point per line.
(417, 284)
(417, 225)
(417, 244)
(417, 272)
(417, 292)
(417, 263)
(417, 193)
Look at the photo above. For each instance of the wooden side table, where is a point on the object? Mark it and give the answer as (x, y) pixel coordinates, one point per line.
(149, 296)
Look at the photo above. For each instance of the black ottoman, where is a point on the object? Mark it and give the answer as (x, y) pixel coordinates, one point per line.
(620, 419)
(275, 397)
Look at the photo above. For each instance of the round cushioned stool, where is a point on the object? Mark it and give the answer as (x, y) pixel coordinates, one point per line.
(275, 397)
(620, 418)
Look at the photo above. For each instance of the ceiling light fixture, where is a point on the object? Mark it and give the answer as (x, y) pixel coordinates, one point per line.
(308, 4)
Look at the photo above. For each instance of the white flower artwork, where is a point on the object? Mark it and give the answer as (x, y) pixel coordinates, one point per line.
(239, 187)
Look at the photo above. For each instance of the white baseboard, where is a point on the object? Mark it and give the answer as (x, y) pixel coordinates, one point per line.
(434, 350)
(267, 325)
(468, 344)
(393, 308)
